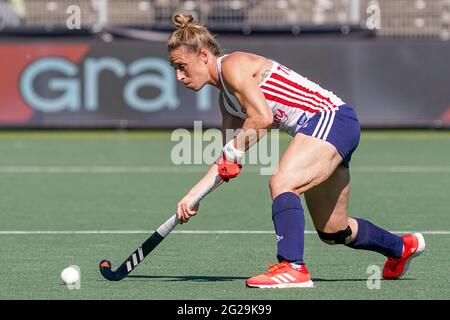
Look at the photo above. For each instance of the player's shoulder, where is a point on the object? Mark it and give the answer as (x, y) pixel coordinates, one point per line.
(238, 66)
(240, 59)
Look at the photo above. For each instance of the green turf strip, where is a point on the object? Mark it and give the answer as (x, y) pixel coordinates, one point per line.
(204, 266)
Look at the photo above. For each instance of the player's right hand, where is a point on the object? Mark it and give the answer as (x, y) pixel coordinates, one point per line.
(184, 212)
(228, 170)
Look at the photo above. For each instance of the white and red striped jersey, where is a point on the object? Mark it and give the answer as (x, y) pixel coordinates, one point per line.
(293, 99)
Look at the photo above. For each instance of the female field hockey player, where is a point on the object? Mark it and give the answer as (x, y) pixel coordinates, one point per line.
(257, 93)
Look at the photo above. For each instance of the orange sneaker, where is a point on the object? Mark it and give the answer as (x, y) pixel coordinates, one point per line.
(395, 268)
(282, 275)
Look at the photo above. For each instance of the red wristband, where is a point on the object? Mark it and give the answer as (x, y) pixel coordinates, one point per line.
(228, 170)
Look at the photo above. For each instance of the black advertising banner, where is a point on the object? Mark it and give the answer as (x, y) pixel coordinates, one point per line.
(55, 82)
(94, 84)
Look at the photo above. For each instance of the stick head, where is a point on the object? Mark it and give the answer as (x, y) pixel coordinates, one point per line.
(105, 264)
(107, 273)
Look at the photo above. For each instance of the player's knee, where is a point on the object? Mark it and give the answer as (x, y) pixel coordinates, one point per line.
(281, 182)
(339, 237)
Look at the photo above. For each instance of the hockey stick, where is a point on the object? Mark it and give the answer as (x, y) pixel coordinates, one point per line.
(148, 245)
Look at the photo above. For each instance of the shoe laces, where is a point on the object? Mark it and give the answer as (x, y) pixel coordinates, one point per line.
(274, 268)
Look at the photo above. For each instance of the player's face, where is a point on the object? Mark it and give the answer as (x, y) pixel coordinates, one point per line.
(190, 68)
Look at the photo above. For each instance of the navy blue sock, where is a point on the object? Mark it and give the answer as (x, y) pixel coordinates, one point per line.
(373, 238)
(289, 221)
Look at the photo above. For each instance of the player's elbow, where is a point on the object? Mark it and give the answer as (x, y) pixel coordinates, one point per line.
(264, 121)
(268, 121)
(267, 118)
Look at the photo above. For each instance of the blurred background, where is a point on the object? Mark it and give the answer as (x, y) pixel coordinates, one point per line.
(103, 63)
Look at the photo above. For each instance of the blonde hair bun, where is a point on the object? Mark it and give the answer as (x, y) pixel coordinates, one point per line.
(191, 35)
(181, 21)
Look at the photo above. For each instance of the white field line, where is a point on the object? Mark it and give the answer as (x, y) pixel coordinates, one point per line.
(199, 169)
(109, 232)
(101, 169)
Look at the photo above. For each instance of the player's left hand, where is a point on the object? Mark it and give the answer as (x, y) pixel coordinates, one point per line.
(184, 212)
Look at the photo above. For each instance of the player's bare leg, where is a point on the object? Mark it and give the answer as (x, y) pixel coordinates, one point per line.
(307, 162)
(312, 166)
(328, 206)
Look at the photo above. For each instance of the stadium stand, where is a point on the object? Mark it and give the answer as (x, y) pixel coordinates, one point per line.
(395, 18)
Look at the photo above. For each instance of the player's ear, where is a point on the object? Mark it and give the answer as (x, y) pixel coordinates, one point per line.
(204, 55)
